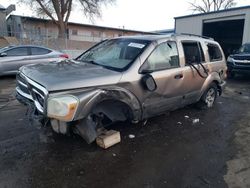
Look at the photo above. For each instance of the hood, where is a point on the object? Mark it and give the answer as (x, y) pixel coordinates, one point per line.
(70, 74)
(241, 56)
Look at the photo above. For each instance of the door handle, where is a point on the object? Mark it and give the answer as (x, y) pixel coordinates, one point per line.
(178, 76)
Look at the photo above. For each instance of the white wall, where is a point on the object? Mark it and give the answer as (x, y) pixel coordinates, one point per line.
(194, 24)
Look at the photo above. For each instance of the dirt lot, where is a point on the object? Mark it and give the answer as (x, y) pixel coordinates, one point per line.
(215, 152)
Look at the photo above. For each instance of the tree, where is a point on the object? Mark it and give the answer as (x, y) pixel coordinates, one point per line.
(59, 10)
(211, 5)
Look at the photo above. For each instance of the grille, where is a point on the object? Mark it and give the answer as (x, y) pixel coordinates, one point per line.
(241, 58)
(31, 90)
(243, 64)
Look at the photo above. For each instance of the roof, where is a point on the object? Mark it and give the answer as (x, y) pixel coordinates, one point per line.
(79, 24)
(214, 12)
(146, 37)
(156, 37)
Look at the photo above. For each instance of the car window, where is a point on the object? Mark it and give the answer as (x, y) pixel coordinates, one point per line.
(193, 52)
(20, 51)
(165, 56)
(214, 52)
(39, 51)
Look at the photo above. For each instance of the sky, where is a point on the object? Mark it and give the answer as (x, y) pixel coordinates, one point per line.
(131, 14)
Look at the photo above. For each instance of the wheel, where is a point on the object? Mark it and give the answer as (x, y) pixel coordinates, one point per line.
(208, 98)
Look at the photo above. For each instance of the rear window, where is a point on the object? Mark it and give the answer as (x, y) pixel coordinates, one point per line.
(214, 52)
(39, 51)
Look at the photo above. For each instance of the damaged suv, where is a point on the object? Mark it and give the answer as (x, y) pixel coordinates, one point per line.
(123, 79)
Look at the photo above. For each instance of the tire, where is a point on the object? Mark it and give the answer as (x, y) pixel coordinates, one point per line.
(209, 96)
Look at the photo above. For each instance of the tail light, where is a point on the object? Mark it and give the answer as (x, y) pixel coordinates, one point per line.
(66, 56)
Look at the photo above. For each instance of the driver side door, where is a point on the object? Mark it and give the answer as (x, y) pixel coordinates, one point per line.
(164, 66)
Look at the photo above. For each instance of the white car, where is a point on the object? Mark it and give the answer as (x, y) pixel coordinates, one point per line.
(13, 57)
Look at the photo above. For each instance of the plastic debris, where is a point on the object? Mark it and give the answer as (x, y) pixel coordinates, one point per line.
(196, 121)
(114, 155)
(186, 117)
(131, 136)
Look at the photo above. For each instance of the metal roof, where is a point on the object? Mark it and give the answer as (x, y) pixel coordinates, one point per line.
(213, 12)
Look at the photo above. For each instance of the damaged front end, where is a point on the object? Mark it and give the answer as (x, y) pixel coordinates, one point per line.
(35, 97)
(32, 95)
(85, 112)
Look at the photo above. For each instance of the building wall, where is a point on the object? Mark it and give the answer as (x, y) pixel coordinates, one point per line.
(3, 26)
(246, 36)
(194, 24)
(36, 28)
(43, 32)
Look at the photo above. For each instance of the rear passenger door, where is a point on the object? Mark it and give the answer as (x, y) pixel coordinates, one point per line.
(40, 55)
(194, 71)
(14, 59)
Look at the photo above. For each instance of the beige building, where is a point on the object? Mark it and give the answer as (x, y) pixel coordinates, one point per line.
(30, 30)
(26, 27)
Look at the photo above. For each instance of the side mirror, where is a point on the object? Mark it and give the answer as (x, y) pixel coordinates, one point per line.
(149, 83)
(3, 54)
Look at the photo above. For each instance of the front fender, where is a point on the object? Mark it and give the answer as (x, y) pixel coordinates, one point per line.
(90, 99)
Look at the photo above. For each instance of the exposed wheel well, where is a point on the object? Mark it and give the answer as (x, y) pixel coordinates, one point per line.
(114, 110)
(218, 86)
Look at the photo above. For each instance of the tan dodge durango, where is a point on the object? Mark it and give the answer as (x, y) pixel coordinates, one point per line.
(123, 79)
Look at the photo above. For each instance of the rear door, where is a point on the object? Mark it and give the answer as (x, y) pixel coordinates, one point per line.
(41, 55)
(195, 70)
(15, 58)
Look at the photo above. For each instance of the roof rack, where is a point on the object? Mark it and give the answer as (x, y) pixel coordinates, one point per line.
(189, 34)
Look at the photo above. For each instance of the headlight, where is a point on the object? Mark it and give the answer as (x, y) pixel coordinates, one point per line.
(229, 59)
(62, 107)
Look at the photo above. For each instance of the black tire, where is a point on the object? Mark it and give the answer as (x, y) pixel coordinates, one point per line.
(209, 97)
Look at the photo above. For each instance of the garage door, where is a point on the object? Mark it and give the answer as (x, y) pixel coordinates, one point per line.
(229, 33)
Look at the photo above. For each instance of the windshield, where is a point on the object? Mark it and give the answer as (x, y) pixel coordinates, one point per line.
(116, 54)
(245, 48)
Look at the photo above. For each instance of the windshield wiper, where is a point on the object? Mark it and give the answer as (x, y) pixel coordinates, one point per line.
(96, 63)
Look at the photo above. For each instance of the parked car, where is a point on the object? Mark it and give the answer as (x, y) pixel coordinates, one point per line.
(240, 61)
(13, 57)
(123, 79)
